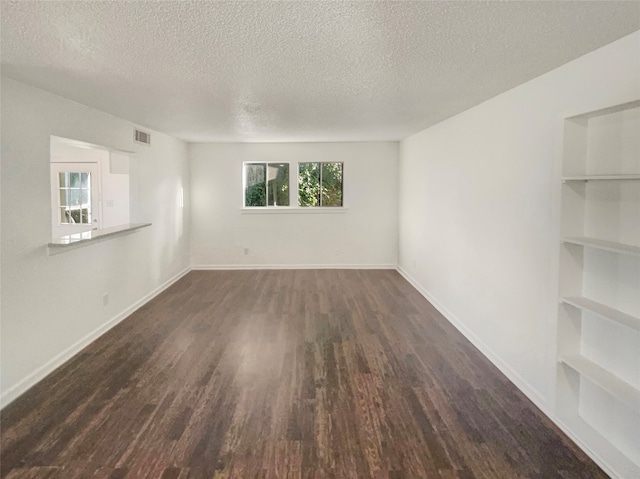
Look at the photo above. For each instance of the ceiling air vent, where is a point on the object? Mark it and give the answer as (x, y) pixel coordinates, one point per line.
(142, 136)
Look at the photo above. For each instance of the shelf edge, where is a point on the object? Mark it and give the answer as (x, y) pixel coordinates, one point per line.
(629, 177)
(618, 388)
(604, 245)
(602, 450)
(602, 310)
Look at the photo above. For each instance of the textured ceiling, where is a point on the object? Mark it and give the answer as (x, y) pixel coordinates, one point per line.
(296, 71)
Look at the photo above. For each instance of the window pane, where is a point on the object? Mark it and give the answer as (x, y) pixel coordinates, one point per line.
(75, 215)
(255, 193)
(75, 196)
(64, 197)
(74, 179)
(85, 197)
(85, 180)
(63, 179)
(331, 184)
(278, 184)
(85, 216)
(309, 184)
(65, 216)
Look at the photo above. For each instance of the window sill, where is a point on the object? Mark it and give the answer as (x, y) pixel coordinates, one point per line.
(283, 210)
(68, 242)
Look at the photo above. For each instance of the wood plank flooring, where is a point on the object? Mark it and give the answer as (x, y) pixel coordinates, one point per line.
(283, 374)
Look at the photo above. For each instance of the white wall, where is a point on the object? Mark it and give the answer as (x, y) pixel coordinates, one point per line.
(51, 303)
(116, 204)
(479, 210)
(365, 235)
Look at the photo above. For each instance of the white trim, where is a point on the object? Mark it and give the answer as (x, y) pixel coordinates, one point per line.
(505, 369)
(208, 267)
(293, 210)
(589, 451)
(95, 204)
(497, 361)
(47, 368)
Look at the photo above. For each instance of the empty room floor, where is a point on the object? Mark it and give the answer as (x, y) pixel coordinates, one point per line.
(283, 374)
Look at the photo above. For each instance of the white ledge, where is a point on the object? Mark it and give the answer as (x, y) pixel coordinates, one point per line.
(283, 210)
(612, 246)
(85, 237)
(601, 177)
(603, 311)
(605, 380)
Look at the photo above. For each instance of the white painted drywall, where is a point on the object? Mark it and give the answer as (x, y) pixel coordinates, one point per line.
(50, 303)
(364, 235)
(479, 210)
(116, 202)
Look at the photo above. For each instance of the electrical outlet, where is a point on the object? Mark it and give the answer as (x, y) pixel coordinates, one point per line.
(105, 299)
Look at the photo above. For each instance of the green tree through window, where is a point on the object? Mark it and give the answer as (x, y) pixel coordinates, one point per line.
(266, 184)
(320, 184)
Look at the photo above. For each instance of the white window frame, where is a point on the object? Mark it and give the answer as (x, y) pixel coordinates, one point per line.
(63, 229)
(293, 207)
(298, 188)
(267, 206)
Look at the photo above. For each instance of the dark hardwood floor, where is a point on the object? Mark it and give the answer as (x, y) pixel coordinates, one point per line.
(283, 374)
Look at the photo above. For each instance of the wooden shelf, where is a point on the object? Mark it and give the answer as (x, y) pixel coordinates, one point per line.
(607, 454)
(605, 245)
(602, 378)
(601, 177)
(603, 311)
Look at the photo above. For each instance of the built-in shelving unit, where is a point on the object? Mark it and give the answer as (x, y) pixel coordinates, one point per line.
(605, 245)
(598, 342)
(625, 467)
(605, 380)
(603, 311)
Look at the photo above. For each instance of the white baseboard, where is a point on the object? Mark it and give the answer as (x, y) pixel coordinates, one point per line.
(591, 452)
(497, 361)
(40, 373)
(512, 375)
(205, 267)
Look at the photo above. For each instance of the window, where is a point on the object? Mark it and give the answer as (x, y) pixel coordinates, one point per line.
(266, 184)
(75, 197)
(89, 187)
(320, 184)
